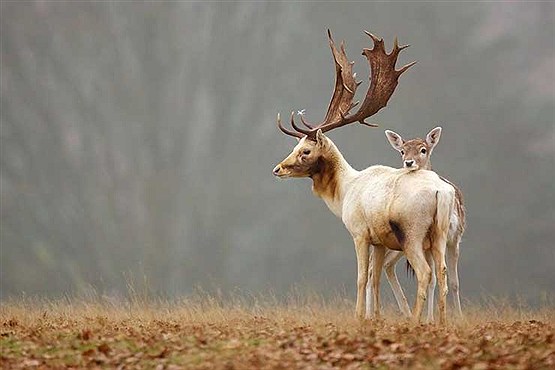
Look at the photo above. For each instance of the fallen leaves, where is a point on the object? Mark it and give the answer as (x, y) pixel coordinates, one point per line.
(281, 339)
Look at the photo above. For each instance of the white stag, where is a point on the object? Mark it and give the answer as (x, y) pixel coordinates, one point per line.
(380, 206)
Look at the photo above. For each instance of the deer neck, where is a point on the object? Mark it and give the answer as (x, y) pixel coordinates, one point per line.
(428, 166)
(332, 178)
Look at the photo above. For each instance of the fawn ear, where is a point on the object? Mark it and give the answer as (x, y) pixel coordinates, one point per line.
(433, 137)
(394, 139)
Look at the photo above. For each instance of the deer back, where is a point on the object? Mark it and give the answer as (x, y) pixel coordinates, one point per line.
(388, 204)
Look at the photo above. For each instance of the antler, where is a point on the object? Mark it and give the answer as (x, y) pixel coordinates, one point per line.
(286, 131)
(383, 81)
(345, 86)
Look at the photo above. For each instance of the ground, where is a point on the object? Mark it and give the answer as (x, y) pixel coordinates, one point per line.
(310, 334)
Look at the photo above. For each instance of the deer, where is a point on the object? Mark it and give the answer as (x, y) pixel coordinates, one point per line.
(381, 207)
(416, 154)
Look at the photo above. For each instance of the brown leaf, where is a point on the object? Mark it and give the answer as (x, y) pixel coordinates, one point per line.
(84, 334)
(88, 352)
(104, 348)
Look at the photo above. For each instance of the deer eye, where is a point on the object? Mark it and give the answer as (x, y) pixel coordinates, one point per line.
(306, 151)
(423, 150)
(402, 152)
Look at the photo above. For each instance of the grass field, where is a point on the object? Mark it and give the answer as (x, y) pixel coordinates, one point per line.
(311, 333)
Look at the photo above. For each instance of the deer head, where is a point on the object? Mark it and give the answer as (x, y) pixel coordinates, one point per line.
(306, 157)
(415, 152)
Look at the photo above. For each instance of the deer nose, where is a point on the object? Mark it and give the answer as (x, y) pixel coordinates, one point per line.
(276, 170)
(409, 163)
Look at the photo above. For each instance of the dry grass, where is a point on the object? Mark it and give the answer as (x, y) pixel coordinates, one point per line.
(302, 332)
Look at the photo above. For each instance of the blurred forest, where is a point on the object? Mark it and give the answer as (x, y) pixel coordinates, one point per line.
(138, 140)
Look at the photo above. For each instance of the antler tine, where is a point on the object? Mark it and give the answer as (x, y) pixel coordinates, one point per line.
(405, 67)
(306, 123)
(397, 49)
(373, 37)
(300, 129)
(369, 124)
(286, 131)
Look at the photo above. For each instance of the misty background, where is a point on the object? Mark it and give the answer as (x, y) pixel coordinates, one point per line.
(138, 140)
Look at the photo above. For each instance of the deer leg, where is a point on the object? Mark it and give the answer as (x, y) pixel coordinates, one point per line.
(453, 273)
(416, 258)
(391, 259)
(431, 287)
(438, 252)
(378, 258)
(369, 288)
(362, 252)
